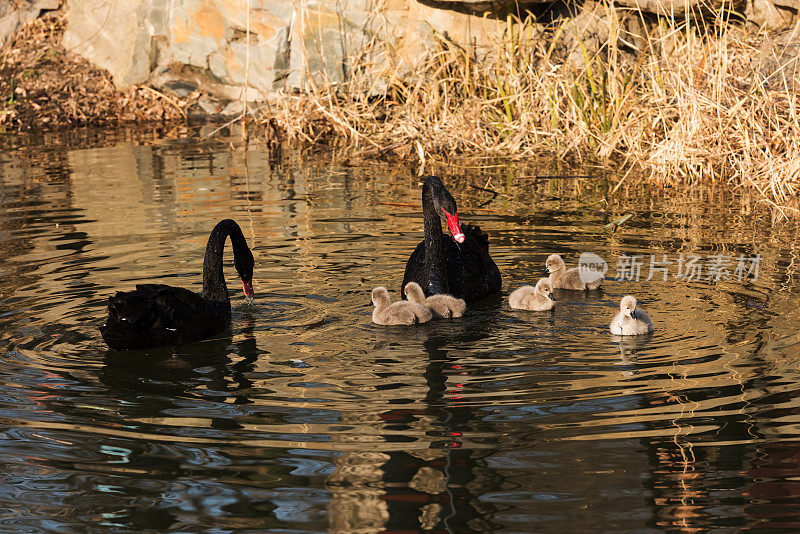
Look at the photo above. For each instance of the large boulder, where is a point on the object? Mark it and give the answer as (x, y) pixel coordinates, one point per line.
(182, 45)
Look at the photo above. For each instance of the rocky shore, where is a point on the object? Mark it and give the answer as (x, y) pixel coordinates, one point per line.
(112, 61)
(677, 92)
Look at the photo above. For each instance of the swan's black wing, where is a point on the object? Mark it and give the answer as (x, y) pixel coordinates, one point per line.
(471, 273)
(157, 314)
(415, 269)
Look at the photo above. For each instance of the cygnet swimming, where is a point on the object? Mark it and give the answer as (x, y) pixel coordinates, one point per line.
(631, 320)
(403, 312)
(562, 278)
(441, 305)
(539, 298)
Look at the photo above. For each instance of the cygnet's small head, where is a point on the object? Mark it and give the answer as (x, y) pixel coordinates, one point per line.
(444, 203)
(554, 263)
(628, 306)
(544, 287)
(414, 293)
(380, 296)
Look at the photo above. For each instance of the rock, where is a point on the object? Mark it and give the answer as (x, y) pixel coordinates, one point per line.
(182, 46)
(778, 60)
(117, 35)
(204, 43)
(592, 28)
(676, 8)
(771, 15)
(198, 42)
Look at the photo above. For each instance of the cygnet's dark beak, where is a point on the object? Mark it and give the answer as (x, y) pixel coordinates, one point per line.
(633, 314)
(552, 297)
(546, 272)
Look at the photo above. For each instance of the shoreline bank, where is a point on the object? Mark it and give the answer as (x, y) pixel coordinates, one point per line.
(689, 107)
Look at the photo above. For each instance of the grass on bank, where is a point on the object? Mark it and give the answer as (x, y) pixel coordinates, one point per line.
(685, 103)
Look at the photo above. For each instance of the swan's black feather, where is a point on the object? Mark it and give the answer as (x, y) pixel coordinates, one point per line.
(158, 314)
(471, 273)
(481, 238)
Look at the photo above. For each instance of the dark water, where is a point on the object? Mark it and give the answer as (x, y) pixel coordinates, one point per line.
(305, 417)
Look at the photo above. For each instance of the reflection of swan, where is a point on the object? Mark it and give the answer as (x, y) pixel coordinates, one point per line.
(562, 278)
(539, 298)
(459, 265)
(628, 347)
(164, 371)
(631, 321)
(158, 314)
(441, 305)
(402, 312)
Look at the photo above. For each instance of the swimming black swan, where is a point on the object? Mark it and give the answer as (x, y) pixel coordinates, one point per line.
(458, 265)
(157, 314)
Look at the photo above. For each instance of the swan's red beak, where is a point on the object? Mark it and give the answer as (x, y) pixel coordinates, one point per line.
(452, 223)
(248, 290)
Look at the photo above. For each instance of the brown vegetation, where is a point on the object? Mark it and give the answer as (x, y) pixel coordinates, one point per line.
(44, 86)
(684, 104)
(687, 107)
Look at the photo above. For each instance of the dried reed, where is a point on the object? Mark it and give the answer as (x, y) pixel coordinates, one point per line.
(688, 107)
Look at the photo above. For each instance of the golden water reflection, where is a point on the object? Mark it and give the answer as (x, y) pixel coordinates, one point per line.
(305, 416)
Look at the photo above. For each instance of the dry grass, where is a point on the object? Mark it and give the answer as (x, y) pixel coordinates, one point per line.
(688, 107)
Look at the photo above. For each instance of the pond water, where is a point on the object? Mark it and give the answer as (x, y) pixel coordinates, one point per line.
(306, 417)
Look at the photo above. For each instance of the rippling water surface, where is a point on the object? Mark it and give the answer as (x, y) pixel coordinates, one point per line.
(307, 417)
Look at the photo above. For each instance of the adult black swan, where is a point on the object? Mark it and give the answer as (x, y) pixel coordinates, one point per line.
(458, 265)
(157, 314)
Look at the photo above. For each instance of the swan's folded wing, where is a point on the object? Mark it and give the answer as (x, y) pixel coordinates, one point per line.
(415, 269)
(472, 272)
(153, 306)
(475, 232)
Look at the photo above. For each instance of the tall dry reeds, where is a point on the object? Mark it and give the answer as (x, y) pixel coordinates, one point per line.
(684, 103)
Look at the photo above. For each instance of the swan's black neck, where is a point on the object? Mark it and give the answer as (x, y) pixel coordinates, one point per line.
(214, 287)
(435, 267)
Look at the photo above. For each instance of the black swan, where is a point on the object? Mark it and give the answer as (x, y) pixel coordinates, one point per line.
(457, 265)
(157, 314)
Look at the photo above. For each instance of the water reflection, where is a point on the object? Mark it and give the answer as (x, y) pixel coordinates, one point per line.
(304, 416)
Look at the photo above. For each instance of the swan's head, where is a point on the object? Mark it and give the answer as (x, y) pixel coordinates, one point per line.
(380, 296)
(554, 263)
(628, 306)
(444, 203)
(544, 287)
(243, 262)
(414, 293)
